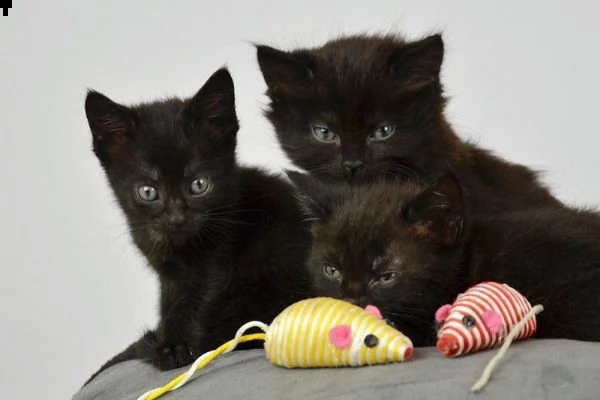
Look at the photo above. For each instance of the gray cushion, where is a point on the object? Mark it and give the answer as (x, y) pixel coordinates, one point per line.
(536, 369)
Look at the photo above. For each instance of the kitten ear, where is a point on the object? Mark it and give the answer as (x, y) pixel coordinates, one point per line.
(214, 104)
(317, 199)
(111, 124)
(418, 64)
(438, 213)
(284, 72)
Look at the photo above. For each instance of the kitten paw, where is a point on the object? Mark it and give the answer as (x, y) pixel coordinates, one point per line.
(170, 357)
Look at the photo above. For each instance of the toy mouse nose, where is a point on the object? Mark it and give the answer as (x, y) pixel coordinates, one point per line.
(447, 345)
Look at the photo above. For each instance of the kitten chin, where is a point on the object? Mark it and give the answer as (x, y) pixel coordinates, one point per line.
(410, 249)
(228, 243)
(364, 108)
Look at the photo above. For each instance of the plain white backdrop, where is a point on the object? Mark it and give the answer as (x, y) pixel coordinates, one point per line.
(523, 78)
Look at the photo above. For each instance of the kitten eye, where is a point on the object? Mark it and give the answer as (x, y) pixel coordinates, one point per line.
(324, 134)
(387, 277)
(147, 193)
(468, 321)
(332, 273)
(199, 186)
(382, 133)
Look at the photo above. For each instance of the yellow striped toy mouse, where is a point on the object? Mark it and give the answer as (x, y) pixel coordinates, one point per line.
(317, 332)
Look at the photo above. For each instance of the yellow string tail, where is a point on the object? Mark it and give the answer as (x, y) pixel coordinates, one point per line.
(206, 359)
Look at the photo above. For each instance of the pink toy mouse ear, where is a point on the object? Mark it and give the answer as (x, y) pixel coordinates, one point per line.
(492, 321)
(442, 313)
(341, 336)
(371, 309)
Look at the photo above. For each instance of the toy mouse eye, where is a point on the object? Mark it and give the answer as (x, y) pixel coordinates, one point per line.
(371, 341)
(468, 321)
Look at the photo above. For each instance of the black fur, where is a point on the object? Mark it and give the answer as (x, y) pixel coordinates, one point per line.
(436, 249)
(354, 85)
(226, 256)
(553, 257)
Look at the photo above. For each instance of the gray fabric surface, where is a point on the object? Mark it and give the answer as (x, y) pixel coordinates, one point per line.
(536, 369)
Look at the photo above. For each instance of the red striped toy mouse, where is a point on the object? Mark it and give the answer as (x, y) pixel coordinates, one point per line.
(486, 315)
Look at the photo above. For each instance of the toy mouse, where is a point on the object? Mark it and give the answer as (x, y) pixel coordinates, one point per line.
(316, 332)
(486, 315)
(326, 332)
(481, 318)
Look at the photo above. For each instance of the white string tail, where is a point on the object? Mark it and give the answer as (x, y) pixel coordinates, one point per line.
(236, 340)
(487, 372)
(192, 369)
(240, 332)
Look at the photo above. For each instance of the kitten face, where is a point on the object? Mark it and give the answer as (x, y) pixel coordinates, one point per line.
(358, 107)
(396, 246)
(170, 163)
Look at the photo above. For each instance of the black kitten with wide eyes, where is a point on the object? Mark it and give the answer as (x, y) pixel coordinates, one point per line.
(408, 250)
(362, 108)
(228, 243)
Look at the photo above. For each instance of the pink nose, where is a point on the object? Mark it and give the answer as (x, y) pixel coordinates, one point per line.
(447, 345)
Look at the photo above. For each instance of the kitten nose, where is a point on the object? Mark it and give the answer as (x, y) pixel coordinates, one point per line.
(176, 220)
(352, 166)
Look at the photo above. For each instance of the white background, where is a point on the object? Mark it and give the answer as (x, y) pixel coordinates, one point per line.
(523, 77)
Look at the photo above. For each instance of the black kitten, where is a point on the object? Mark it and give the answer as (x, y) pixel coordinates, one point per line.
(410, 250)
(365, 107)
(228, 243)
(550, 255)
